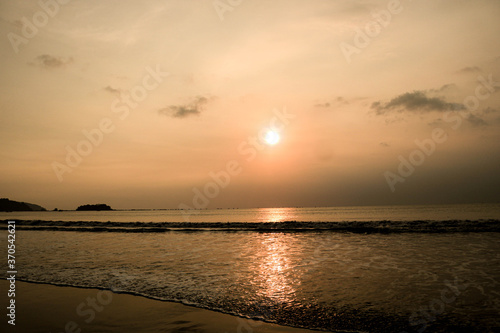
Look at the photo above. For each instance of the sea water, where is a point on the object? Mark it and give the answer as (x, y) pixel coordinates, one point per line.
(445, 281)
(315, 214)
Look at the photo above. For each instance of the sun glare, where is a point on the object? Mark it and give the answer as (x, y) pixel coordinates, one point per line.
(272, 138)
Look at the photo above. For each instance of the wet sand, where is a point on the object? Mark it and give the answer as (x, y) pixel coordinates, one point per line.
(47, 308)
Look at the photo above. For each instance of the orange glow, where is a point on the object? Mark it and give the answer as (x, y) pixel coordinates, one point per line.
(275, 277)
(136, 116)
(277, 214)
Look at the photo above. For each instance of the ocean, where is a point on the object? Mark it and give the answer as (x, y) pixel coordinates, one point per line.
(316, 214)
(361, 269)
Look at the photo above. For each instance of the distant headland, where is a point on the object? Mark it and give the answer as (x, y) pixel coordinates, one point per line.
(7, 205)
(94, 207)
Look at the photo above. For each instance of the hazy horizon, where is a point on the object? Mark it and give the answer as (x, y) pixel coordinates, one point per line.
(164, 105)
(262, 207)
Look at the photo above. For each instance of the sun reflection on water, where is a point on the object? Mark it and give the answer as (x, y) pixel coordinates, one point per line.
(275, 269)
(272, 273)
(277, 214)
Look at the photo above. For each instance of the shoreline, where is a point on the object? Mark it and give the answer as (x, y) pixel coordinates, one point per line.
(42, 307)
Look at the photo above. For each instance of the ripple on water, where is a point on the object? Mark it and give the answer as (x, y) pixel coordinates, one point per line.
(315, 280)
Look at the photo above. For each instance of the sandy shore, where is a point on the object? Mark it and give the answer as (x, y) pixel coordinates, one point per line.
(46, 308)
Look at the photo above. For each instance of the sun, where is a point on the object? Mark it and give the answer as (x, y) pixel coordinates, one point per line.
(272, 137)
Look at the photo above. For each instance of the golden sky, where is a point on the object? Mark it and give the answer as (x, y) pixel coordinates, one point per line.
(144, 104)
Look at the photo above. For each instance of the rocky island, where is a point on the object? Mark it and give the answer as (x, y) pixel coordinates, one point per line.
(7, 205)
(94, 207)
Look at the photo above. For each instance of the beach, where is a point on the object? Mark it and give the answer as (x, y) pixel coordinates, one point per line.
(353, 276)
(48, 308)
(250, 166)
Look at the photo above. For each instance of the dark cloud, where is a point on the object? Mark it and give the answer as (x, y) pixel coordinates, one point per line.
(476, 121)
(182, 111)
(17, 23)
(415, 101)
(445, 88)
(384, 144)
(337, 101)
(436, 122)
(112, 90)
(489, 110)
(471, 69)
(49, 61)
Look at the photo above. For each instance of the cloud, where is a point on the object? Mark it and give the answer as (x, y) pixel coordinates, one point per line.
(471, 69)
(384, 144)
(476, 121)
(436, 122)
(337, 101)
(182, 111)
(415, 101)
(112, 90)
(49, 61)
(489, 110)
(447, 87)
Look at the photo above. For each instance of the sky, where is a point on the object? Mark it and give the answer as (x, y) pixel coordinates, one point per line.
(166, 104)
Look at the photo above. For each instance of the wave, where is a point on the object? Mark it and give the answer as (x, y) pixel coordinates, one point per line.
(119, 291)
(251, 315)
(385, 226)
(138, 294)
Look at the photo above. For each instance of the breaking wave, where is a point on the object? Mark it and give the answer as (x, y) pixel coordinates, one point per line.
(286, 226)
